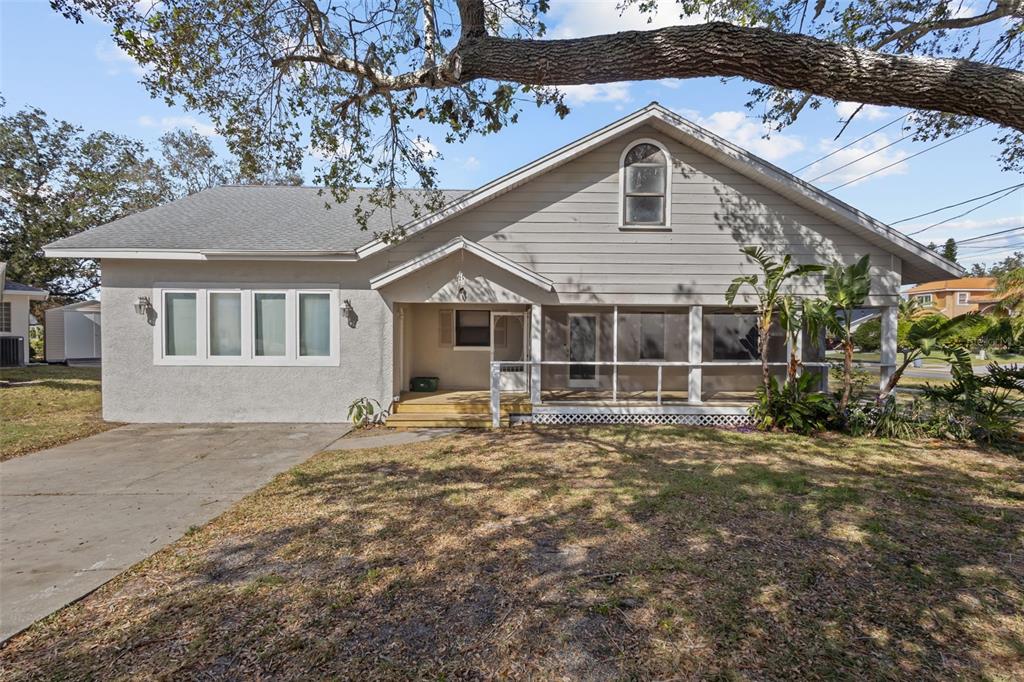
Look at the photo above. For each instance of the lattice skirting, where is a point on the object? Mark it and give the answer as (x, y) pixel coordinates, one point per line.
(722, 420)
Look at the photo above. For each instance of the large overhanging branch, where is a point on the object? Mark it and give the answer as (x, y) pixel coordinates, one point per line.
(783, 60)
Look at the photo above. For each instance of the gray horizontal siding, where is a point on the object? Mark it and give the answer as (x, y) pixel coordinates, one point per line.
(564, 225)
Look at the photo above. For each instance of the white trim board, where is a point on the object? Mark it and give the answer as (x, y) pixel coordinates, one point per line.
(454, 246)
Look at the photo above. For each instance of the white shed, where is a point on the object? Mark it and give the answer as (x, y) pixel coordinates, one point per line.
(73, 332)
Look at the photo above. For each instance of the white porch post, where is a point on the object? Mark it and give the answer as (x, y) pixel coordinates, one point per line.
(696, 383)
(536, 344)
(495, 395)
(890, 321)
(615, 353)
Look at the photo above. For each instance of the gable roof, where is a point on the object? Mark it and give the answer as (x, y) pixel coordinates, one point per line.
(962, 284)
(236, 219)
(454, 246)
(919, 262)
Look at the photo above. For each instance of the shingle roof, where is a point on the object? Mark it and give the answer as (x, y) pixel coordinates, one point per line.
(246, 218)
(16, 286)
(953, 284)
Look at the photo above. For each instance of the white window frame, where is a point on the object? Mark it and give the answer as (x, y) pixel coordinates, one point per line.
(963, 298)
(667, 225)
(925, 299)
(455, 330)
(248, 358)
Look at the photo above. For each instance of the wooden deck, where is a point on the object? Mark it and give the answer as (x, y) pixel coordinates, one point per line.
(472, 408)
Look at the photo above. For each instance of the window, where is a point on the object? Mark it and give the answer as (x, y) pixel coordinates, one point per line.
(472, 329)
(925, 299)
(180, 323)
(963, 298)
(226, 323)
(314, 325)
(734, 337)
(269, 323)
(652, 336)
(5, 316)
(246, 327)
(645, 173)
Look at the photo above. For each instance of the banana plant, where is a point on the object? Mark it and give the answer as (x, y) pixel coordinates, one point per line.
(846, 288)
(791, 319)
(768, 290)
(934, 334)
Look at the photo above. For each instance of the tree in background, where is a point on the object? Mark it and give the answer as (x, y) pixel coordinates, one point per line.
(949, 250)
(57, 181)
(1010, 291)
(360, 81)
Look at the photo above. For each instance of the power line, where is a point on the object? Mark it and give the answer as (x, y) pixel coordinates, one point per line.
(847, 146)
(967, 212)
(997, 249)
(992, 236)
(908, 158)
(960, 203)
(858, 160)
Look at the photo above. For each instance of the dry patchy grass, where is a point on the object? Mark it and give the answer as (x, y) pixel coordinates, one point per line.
(604, 553)
(44, 406)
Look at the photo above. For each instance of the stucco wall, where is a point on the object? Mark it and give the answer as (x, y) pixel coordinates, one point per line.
(137, 390)
(19, 320)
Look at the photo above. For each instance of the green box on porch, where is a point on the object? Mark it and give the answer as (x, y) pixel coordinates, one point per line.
(423, 384)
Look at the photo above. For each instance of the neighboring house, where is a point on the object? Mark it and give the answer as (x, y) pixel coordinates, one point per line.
(73, 332)
(591, 281)
(15, 322)
(953, 297)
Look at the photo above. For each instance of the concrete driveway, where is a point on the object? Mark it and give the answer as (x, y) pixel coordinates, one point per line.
(74, 516)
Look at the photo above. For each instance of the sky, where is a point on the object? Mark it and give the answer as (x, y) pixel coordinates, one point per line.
(74, 72)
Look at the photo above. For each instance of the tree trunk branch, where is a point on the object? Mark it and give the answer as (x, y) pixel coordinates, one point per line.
(782, 60)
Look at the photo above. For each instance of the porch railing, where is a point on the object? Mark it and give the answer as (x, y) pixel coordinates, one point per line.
(527, 365)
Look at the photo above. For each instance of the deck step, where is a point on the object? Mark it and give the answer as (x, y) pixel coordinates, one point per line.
(434, 420)
(482, 409)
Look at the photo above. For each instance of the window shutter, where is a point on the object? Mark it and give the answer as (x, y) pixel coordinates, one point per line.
(445, 328)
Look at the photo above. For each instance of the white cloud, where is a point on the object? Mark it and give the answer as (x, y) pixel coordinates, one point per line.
(738, 128)
(599, 92)
(857, 166)
(172, 122)
(117, 60)
(578, 18)
(471, 163)
(870, 112)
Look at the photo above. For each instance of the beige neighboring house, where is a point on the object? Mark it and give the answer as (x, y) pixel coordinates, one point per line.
(586, 286)
(15, 320)
(953, 297)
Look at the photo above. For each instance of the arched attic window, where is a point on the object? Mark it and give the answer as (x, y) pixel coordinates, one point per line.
(645, 183)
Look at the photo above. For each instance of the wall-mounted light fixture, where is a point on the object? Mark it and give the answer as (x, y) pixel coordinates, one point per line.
(142, 305)
(349, 313)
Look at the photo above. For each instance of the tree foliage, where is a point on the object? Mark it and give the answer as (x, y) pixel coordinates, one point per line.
(57, 181)
(362, 83)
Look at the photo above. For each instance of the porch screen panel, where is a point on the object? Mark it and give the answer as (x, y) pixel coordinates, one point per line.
(269, 324)
(226, 324)
(729, 336)
(180, 323)
(314, 324)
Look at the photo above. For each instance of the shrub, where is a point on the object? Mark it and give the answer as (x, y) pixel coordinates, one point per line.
(366, 412)
(986, 407)
(868, 336)
(795, 406)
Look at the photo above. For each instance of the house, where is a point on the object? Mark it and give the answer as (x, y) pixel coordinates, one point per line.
(73, 333)
(586, 286)
(15, 322)
(953, 297)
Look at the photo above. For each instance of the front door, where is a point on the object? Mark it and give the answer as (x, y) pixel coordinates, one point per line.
(582, 348)
(509, 344)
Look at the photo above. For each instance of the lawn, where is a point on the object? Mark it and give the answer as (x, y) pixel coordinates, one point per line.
(47, 405)
(586, 553)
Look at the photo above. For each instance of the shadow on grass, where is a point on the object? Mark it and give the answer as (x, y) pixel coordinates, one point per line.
(580, 553)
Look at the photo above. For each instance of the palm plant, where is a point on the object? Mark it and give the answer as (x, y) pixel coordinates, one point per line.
(791, 319)
(934, 334)
(911, 309)
(1010, 291)
(846, 288)
(767, 288)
